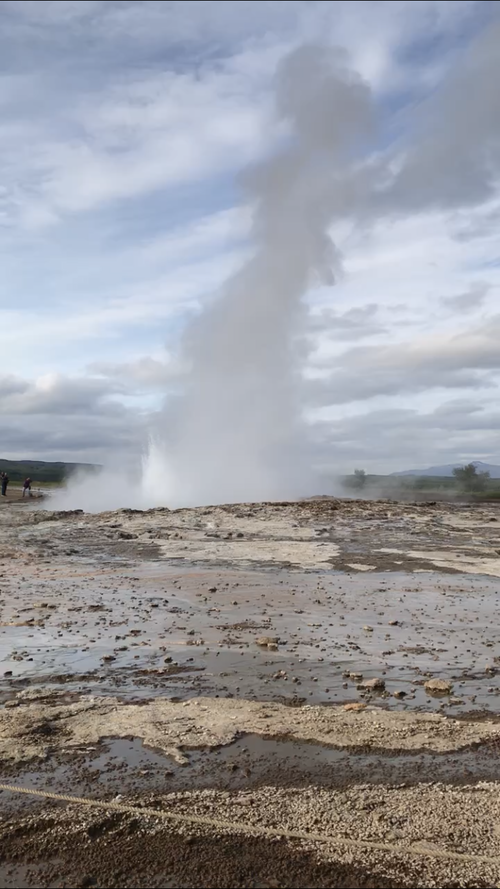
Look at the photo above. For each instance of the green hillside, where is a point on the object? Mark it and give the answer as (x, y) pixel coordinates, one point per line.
(41, 472)
(404, 487)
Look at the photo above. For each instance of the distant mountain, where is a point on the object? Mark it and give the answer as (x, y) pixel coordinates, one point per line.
(446, 471)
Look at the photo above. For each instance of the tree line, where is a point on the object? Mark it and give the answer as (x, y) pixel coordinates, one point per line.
(468, 478)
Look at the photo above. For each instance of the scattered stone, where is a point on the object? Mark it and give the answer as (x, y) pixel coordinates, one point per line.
(376, 684)
(355, 707)
(268, 642)
(438, 687)
(400, 694)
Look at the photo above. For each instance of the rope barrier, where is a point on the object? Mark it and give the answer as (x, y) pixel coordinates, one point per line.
(254, 830)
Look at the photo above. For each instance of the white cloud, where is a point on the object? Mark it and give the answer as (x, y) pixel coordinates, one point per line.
(403, 438)
(158, 133)
(354, 324)
(54, 393)
(470, 299)
(464, 359)
(79, 418)
(143, 374)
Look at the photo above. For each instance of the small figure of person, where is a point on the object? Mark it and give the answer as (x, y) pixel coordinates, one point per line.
(27, 487)
(5, 482)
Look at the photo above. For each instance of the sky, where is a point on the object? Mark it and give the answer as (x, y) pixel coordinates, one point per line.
(124, 130)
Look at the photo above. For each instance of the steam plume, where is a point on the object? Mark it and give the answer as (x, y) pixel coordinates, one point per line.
(238, 433)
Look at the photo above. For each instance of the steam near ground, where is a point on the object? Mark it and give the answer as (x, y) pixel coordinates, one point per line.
(238, 431)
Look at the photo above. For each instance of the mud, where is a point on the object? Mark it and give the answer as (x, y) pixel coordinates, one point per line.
(35, 729)
(252, 761)
(152, 629)
(217, 660)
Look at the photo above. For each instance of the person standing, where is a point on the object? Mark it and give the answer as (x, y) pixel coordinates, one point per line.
(27, 487)
(5, 482)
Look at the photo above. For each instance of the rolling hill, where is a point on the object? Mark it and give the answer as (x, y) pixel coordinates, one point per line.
(42, 472)
(446, 471)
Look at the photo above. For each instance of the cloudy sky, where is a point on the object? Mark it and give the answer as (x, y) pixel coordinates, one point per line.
(123, 129)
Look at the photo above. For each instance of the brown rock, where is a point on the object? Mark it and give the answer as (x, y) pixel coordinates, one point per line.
(355, 707)
(438, 687)
(267, 641)
(376, 684)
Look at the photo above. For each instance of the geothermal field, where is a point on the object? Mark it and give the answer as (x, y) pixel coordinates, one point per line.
(278, 690)
(310, 689)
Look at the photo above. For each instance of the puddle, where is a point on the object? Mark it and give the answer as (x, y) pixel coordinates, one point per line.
(153, 629)
(123, 767)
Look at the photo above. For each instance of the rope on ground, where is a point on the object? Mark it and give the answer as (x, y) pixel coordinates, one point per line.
(254, 830)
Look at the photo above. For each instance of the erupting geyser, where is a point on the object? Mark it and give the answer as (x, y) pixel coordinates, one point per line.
(238, 432)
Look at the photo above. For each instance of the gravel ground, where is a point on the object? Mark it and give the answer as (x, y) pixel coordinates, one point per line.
(122, 850)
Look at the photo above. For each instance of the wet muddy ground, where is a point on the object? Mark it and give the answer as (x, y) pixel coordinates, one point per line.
(271, 607)
(154, 629)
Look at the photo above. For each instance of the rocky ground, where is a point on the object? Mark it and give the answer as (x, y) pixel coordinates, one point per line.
(324, 673)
